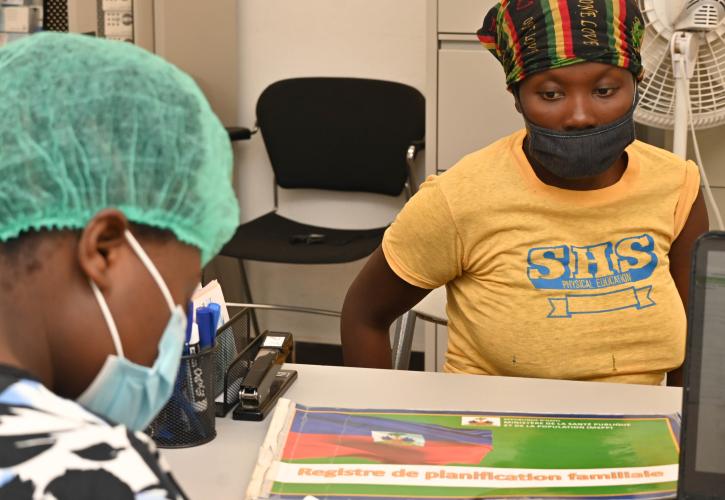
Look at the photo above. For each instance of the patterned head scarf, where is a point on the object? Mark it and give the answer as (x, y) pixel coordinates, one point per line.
(529, 36)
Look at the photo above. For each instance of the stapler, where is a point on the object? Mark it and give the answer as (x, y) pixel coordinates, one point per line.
(266, 381)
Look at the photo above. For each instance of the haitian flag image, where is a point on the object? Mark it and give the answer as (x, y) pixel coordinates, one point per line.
(339, 453)
(328, 434)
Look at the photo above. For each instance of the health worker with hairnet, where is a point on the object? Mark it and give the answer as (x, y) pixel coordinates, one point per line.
(116, 189)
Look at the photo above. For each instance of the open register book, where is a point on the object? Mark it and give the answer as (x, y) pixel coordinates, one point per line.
(341, 453)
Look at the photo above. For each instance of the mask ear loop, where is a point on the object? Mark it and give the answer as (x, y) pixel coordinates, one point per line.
(108, 318)
(517, 98)
(515, 89)
(635, 99)
(151, 268)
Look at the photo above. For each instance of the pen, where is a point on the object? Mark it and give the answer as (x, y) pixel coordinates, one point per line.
(216, 312)
(206, 330)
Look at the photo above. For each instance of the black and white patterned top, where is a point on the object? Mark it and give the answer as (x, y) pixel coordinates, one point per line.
(53, 448)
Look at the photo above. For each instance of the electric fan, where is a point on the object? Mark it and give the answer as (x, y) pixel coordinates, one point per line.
(684, 60)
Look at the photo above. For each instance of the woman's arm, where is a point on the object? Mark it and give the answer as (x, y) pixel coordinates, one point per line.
(375, 299)
(681, 261)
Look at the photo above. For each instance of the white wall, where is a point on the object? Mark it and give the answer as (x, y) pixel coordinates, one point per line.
(712, 150)
(279, 39)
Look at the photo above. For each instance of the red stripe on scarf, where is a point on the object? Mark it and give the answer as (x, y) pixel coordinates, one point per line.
(516, 45)
(566, 28)
(623, 32)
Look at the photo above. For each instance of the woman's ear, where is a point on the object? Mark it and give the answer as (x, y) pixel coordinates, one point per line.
(100, 245)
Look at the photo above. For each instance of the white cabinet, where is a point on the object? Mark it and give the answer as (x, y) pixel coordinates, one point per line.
(462, 16)
(469, 102)
(468, 106)
(474, 107)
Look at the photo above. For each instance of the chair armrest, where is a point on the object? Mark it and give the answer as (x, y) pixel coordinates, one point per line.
(413, 150)
(240, 133)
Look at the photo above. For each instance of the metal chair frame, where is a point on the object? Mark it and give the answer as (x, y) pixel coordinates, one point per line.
(403, 336)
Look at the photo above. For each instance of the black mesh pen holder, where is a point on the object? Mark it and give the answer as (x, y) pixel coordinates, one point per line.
(188, 419)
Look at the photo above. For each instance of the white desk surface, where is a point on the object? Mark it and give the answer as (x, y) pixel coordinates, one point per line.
(221, 469)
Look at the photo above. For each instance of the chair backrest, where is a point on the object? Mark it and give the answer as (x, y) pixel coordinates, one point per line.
(344, 134)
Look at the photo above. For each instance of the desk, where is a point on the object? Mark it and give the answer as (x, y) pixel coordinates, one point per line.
(221, 469)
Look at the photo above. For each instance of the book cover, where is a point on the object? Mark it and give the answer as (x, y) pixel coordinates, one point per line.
(356, 453)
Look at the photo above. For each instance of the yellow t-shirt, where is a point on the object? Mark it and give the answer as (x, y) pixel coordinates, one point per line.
(549, 282)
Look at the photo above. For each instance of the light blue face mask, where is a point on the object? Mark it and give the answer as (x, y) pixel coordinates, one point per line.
(126, 392)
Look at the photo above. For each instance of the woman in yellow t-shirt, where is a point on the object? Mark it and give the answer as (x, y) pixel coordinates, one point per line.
(564, 247)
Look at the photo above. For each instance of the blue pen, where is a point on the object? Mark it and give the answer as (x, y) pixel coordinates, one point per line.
(206, 331)
(216, 312)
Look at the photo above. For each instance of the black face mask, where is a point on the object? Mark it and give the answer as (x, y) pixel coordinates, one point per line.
(580, 153)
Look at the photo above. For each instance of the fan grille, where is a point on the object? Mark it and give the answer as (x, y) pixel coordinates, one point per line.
(706, 16)
(707, 87)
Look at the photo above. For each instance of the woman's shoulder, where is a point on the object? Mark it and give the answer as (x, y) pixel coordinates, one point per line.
(655, 156)
(79, 451)
(488, 163)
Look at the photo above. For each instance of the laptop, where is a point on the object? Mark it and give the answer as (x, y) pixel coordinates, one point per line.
(702, 453)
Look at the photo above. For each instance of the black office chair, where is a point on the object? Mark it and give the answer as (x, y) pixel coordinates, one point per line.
(342, 134)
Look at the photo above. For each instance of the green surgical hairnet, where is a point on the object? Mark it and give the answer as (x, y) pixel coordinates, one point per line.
(88, 124)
